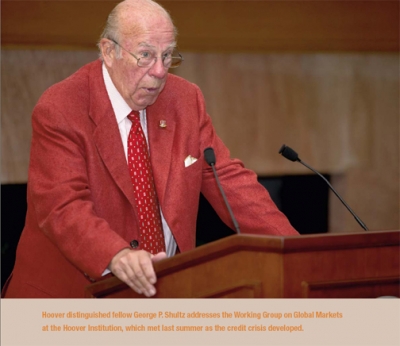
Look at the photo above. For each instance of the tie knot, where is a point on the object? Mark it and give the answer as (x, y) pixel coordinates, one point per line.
(134, 116)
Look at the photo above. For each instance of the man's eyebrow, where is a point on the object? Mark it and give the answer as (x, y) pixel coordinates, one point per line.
(172, 45)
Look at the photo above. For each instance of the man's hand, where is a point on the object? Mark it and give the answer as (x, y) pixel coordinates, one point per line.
(135, 268)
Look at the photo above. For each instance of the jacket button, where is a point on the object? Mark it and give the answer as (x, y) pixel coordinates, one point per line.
(134, 244)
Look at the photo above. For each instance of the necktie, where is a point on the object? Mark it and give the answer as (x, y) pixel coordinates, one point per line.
(151, 233)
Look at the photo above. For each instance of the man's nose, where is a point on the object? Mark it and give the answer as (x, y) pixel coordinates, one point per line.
(158, 70)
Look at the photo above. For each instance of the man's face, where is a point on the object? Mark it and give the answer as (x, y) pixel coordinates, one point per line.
(140, 86)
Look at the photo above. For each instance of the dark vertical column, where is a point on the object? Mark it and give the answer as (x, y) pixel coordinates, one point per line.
(13, 212)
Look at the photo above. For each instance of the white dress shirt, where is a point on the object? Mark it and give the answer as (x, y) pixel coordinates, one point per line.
(121, 111)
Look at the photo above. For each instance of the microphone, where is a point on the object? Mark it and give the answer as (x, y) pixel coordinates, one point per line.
(291, 155)
(209, 156)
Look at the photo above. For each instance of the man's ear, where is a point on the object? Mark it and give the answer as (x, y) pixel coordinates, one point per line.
(107, 49)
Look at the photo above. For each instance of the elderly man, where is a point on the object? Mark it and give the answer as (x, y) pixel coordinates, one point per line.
(117, 167)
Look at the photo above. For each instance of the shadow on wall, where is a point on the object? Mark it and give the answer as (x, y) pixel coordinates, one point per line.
(13, 211)
(302, 198)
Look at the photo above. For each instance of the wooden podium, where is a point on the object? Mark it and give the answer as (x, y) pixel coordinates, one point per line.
(356, 265)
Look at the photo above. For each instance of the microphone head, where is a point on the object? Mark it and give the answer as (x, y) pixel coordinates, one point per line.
(209, 156)
(289, 153)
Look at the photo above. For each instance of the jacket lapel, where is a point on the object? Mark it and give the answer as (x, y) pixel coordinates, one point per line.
(106, 134)
(161, 140)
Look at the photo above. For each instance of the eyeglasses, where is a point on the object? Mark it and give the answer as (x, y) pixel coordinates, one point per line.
(170, 59)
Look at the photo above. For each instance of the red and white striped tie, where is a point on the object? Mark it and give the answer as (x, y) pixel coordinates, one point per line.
(147, 207)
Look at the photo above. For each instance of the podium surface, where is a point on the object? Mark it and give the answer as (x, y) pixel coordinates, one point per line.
(340, 265)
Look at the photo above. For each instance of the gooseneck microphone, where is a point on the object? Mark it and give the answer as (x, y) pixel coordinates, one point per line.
(209, 156)
(291, 155)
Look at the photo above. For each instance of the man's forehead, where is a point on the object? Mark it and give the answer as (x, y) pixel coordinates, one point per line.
(157, 29)
(150, 38)
(149, 45)
(142, 33)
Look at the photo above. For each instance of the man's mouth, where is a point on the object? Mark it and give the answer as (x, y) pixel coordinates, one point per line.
(151, 90)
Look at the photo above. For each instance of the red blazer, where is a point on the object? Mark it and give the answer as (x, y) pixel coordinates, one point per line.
(80, 197)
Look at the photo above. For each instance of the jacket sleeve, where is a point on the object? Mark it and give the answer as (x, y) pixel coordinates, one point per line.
(59, 189)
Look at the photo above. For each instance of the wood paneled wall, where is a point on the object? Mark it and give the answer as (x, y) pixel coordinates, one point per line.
(340, 112)
(333, 96)
(25, 75)
(228, 26)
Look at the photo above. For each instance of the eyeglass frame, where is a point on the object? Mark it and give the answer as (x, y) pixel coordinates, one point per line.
(155, 58)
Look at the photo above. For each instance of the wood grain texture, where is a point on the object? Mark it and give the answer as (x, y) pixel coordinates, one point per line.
(224, 26)
(337, 111)
(25, 75)
(277, 267)
(384, 286)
